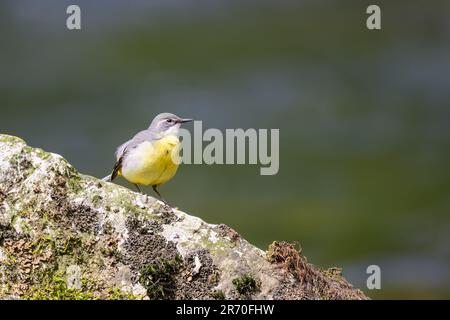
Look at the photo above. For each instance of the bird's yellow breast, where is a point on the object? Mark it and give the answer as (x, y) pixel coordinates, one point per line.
(152, 163)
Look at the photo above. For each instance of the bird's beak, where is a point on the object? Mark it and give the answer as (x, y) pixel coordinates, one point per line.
(184, 120)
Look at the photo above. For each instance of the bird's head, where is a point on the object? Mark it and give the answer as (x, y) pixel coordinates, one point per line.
(166, 124)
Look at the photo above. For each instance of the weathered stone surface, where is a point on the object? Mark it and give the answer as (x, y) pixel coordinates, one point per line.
(64, 235)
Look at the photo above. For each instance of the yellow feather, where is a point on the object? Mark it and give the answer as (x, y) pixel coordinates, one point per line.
(152, 163)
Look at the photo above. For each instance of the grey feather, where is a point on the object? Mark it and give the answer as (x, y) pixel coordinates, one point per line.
(142, 136)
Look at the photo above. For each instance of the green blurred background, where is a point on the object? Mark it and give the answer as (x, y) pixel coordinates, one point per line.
(363, 116)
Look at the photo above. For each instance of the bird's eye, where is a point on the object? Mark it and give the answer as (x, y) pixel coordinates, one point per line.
(169, 120)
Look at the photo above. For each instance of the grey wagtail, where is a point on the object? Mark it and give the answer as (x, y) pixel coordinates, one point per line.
(151, 157)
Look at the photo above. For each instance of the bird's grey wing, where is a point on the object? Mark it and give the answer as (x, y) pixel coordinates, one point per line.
(140, 137)
(122, 150)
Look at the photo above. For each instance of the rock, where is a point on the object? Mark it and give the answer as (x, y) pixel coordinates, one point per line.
(65, 235)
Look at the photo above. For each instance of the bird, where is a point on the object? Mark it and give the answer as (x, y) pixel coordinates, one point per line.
(151, 157)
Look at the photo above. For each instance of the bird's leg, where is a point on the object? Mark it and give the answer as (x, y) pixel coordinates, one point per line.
(159, 195)
(139, 189)
(156, 190)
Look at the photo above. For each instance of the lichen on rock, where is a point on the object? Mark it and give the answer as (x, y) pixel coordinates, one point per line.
(65, 235)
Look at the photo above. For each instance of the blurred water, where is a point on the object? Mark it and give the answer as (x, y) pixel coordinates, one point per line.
(363, 116)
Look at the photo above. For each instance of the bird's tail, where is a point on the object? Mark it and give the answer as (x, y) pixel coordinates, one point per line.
(107, 178)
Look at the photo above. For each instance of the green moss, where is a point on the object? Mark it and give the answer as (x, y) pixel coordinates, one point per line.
(158, 278)
(10, 139)
(55, 288)
(96, 199)
(246, 285)
(70, 245)
(129, 207)
(59, 244)
(22, 163)
(42, 154)
(217, 247)
(25, 226)
(27, 149)
(73, 178)
(42, 243)
(219, 295)
(118, 294)
(125, 201)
